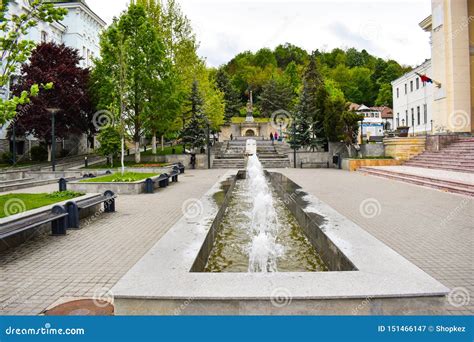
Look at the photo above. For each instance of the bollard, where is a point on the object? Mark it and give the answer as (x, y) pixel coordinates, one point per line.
(109, 205)
(108, 172)
(59, 226)
(73, 212)
(86, 162)
(149, 186)
(62, 185)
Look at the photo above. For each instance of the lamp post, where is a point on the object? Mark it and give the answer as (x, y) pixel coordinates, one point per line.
(208, 144)
(14, 143)
(362, 131)
(413, 124)
(53, 112)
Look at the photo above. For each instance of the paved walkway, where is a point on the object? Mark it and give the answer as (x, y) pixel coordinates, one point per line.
(91, 260)
(454, 176)
(430, 228)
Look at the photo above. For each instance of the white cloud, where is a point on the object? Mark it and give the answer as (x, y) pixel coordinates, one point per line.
(386, 28)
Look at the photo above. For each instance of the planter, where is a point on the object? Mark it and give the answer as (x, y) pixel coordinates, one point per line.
(402, 131)
(119, 188)
(355, 164)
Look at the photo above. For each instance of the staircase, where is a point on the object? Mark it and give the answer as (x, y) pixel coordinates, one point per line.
(459, 156)
(450, 170)
(232, 156)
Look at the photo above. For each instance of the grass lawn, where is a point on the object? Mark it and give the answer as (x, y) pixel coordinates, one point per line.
(168, 150)
(127, 177)
(117, 164)
(238, 120)
(13, 204)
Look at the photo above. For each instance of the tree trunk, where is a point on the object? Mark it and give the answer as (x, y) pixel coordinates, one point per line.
(137, 152)
(162, 143)
(111, 156)
(153, 144)
(349, 150)
(122, 155)
(49, 153)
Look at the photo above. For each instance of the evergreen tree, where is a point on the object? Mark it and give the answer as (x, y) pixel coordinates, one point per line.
(231, 96)
(194, 132)
(275, 96)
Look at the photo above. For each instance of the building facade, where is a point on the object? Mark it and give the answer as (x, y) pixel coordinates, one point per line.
(413, 100)
(452, 40)
(373, 124)
(80, 29)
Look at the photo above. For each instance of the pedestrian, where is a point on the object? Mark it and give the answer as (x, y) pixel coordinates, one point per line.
(231, 137)
(276, 136)
(272, 138)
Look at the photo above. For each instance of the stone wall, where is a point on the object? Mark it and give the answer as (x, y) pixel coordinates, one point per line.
(434, 143)
(201, 159)
(404, 148)
(312, 159)
(372, 150)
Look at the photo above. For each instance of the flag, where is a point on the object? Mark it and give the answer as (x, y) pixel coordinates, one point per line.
(424, 78)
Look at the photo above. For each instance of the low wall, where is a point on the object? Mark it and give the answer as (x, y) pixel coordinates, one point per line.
(309, 157)
(434, 143)
(132, 188)
(404, 148)
(201, 159)
(355, 164)
(372, 150)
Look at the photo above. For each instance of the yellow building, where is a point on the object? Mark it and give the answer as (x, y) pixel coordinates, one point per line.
(451, 25)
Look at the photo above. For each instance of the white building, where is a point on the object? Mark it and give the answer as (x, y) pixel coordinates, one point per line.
(80, 29)
(373, 124)
(413, 100)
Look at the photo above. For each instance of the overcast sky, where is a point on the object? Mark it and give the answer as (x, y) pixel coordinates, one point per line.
(385, 28)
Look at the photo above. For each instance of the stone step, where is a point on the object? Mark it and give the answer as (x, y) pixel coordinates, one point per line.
(29, 184)
(449, 186)
(16, 181)
(444, 161)
(440, 167)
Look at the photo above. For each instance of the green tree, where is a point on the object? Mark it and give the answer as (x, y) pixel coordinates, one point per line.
(15, 50)
(133, 73)
(110, 141)
(350, 129)
(276, 95)
(231, 95)
(194, 132)
(385, 96)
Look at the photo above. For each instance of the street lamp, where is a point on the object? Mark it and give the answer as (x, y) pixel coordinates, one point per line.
(14, 142)
(208, 141)
(362, 131)
(294, 144)
(413, 124)
(53, 112)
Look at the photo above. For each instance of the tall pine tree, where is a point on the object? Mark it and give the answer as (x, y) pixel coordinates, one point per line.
(231, 96)
(194, 132)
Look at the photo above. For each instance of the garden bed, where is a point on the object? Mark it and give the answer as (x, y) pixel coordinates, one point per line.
(131, 183)
(13, 204)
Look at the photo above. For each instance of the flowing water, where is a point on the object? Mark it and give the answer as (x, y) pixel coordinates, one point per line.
(259, 234)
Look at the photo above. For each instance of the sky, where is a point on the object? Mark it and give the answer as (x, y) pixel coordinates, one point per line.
(385, 28)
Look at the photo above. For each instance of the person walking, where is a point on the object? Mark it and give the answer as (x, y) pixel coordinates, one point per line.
(272, 138)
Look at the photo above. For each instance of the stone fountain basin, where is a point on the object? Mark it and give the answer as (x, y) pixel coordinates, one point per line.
(167, 279)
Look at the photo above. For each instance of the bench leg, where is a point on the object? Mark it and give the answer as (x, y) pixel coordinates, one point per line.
(73, 212)
(109, 206)
(59, 226)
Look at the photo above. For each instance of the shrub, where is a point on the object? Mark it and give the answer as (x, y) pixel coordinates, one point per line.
(7, 158)
(39, 153)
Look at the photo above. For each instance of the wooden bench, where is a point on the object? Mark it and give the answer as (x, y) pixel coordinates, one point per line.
(74, 208)
(317, 164)
(58, 217)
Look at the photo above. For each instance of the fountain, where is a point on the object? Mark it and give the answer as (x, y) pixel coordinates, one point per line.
(261, 245)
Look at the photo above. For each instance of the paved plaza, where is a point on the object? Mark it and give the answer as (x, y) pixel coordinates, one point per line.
(430, 228)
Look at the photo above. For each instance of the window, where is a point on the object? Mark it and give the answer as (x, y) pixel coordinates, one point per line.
(417, 83)
(406, 118)
(425, 113)
(413, 116)
(411, 86)
(406, 88)
(398, 93)
(44, 36)
(398, 119)
(418, 115)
